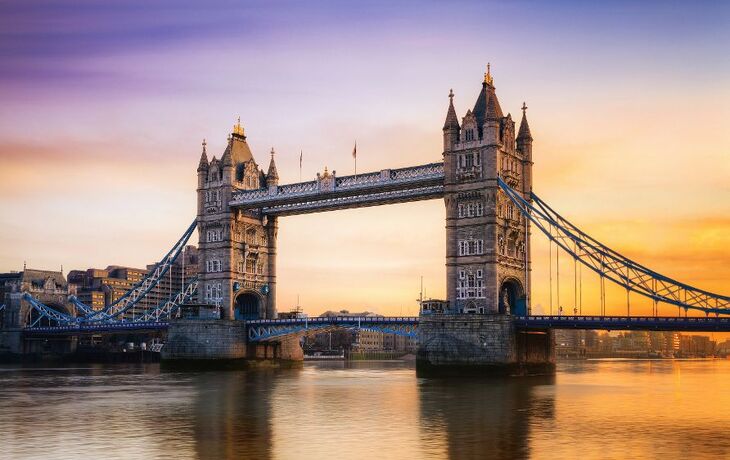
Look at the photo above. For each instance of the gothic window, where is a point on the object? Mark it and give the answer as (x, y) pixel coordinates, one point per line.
(471, 209)
(213, 266)
(250, 265)
(471, 286)
(213, 235)
(251, 237)
(471, 247)
(469, 135)
(213, 292)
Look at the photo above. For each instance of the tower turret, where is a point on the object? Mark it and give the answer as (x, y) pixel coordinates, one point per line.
(451, 125)
(524, 146)
(272, 176)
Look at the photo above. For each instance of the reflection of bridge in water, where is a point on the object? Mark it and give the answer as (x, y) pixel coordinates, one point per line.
(485, 180)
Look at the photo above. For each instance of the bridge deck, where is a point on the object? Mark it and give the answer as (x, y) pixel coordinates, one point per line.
(266, 329)
(632, 323)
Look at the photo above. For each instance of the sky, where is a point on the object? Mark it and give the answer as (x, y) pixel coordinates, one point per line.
(104, 106)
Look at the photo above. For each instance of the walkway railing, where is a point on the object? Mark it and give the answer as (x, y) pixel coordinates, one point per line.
(330, 191)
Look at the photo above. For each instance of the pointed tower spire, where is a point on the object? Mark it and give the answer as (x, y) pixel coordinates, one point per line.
(272, 176)
(487, 105)
(452, 122)
(203, 165)
(524, 132)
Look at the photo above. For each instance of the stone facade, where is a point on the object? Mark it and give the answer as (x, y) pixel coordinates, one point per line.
(205, 339)
(237, 248)
(482, 343)
(49, 287)
(487, 238)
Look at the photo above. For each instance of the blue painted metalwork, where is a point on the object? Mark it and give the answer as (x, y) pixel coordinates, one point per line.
(612, 265)
(140, 290)
(331, 193)
(633, 323)
(48, 313)
(270, 329)
(97, 327)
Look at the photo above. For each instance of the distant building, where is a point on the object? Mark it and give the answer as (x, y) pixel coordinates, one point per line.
(50, 287)
(361, 340)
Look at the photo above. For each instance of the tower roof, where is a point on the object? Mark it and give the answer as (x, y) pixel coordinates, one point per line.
(237, 150)
(452, 122)
(524, 132)
(487, 106)
(203, 165)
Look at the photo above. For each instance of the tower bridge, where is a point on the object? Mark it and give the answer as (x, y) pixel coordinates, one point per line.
(485, 321)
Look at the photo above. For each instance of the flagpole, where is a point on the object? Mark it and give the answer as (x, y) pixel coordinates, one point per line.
(300, 166)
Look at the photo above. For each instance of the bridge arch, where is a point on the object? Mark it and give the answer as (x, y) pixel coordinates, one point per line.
(248, 305)
(511, 297)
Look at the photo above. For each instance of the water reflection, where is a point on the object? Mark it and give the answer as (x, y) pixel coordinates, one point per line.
(484, 418)
(605, 409)
(232, 414)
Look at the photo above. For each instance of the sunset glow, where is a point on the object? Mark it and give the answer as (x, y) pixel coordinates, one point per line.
(104, 110)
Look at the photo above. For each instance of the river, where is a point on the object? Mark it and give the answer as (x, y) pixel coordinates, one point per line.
(589, 409)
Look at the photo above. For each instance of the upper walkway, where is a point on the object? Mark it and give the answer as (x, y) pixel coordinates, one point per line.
(329, 192)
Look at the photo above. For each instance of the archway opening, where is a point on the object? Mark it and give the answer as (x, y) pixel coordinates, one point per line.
(511, 298)
(248, 306)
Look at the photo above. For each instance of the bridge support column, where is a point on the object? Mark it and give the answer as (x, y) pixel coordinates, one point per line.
(482, 344)
(285, 349)
(272, 230)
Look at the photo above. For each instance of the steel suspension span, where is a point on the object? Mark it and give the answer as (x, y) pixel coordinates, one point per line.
(161, 312)
(115, 311)
(610, 264)
(141, 289)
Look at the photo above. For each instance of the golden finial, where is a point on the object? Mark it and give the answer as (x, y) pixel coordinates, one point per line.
(488, 75)
(326, 173)
(237, 129)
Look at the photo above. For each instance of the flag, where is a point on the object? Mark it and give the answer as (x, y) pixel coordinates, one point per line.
(354, 151)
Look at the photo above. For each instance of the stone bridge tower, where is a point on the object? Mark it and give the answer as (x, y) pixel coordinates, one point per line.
(487, 250)
(237, 247)
(487, 238)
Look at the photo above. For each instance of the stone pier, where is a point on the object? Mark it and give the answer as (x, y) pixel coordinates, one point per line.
(481, 344)
(224, 340)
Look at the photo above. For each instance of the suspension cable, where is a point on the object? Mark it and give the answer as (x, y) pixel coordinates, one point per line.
(575, 282)
(580, 288)
(550, 258)
(557, 278)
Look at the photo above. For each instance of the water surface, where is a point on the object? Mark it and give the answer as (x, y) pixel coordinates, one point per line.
(590, 409)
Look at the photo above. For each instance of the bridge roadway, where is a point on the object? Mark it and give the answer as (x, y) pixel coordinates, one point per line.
(271, 329)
